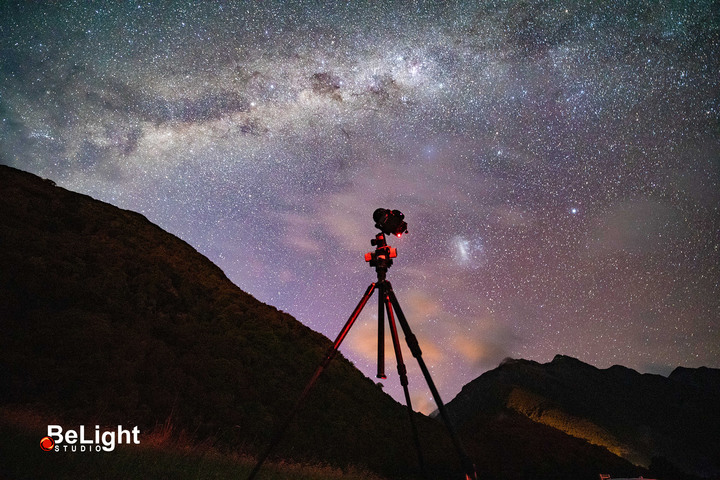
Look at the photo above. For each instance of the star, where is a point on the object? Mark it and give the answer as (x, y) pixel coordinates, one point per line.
(266, 137)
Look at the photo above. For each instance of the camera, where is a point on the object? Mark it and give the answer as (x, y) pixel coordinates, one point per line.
(390, 221)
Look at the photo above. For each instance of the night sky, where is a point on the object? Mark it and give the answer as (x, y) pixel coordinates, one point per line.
(558, 162)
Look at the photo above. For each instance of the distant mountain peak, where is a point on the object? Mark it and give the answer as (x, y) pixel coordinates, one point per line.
(643, 418)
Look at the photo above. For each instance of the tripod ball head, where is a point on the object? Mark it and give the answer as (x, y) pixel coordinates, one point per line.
(382, 257)
(390, 221)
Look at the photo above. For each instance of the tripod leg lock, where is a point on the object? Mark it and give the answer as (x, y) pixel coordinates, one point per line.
(402, 372)
(413, 344)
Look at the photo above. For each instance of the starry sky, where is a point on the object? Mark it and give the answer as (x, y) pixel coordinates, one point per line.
(558, 162)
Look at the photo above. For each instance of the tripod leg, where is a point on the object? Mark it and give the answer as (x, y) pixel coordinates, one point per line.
(402, 372)
(326, 361)
(381, 333)
(414, 346)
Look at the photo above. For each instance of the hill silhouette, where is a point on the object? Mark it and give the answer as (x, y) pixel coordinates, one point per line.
(108, 319)
(669, 425)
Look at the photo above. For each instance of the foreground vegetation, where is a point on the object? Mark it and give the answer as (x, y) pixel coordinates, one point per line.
(160, 456)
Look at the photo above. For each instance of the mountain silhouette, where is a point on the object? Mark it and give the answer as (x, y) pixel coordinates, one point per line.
(669, 425)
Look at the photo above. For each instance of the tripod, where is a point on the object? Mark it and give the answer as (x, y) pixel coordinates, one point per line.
(381, 259)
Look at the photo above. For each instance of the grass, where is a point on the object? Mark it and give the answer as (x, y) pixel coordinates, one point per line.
(160, 455)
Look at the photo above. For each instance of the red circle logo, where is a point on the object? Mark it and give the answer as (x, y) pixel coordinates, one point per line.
(47, 443)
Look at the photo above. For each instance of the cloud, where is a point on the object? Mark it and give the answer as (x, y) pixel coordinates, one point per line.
(301, 232)
(451, 344)
(422, 402)
(363, 338)
(347, 217)
(363, 341)
(486, 347)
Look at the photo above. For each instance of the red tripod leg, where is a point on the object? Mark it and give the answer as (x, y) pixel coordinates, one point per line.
(328, 358)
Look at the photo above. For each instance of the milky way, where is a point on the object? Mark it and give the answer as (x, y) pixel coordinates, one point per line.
(558, 163)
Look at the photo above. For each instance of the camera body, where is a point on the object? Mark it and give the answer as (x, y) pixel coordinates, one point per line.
(390, 221)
